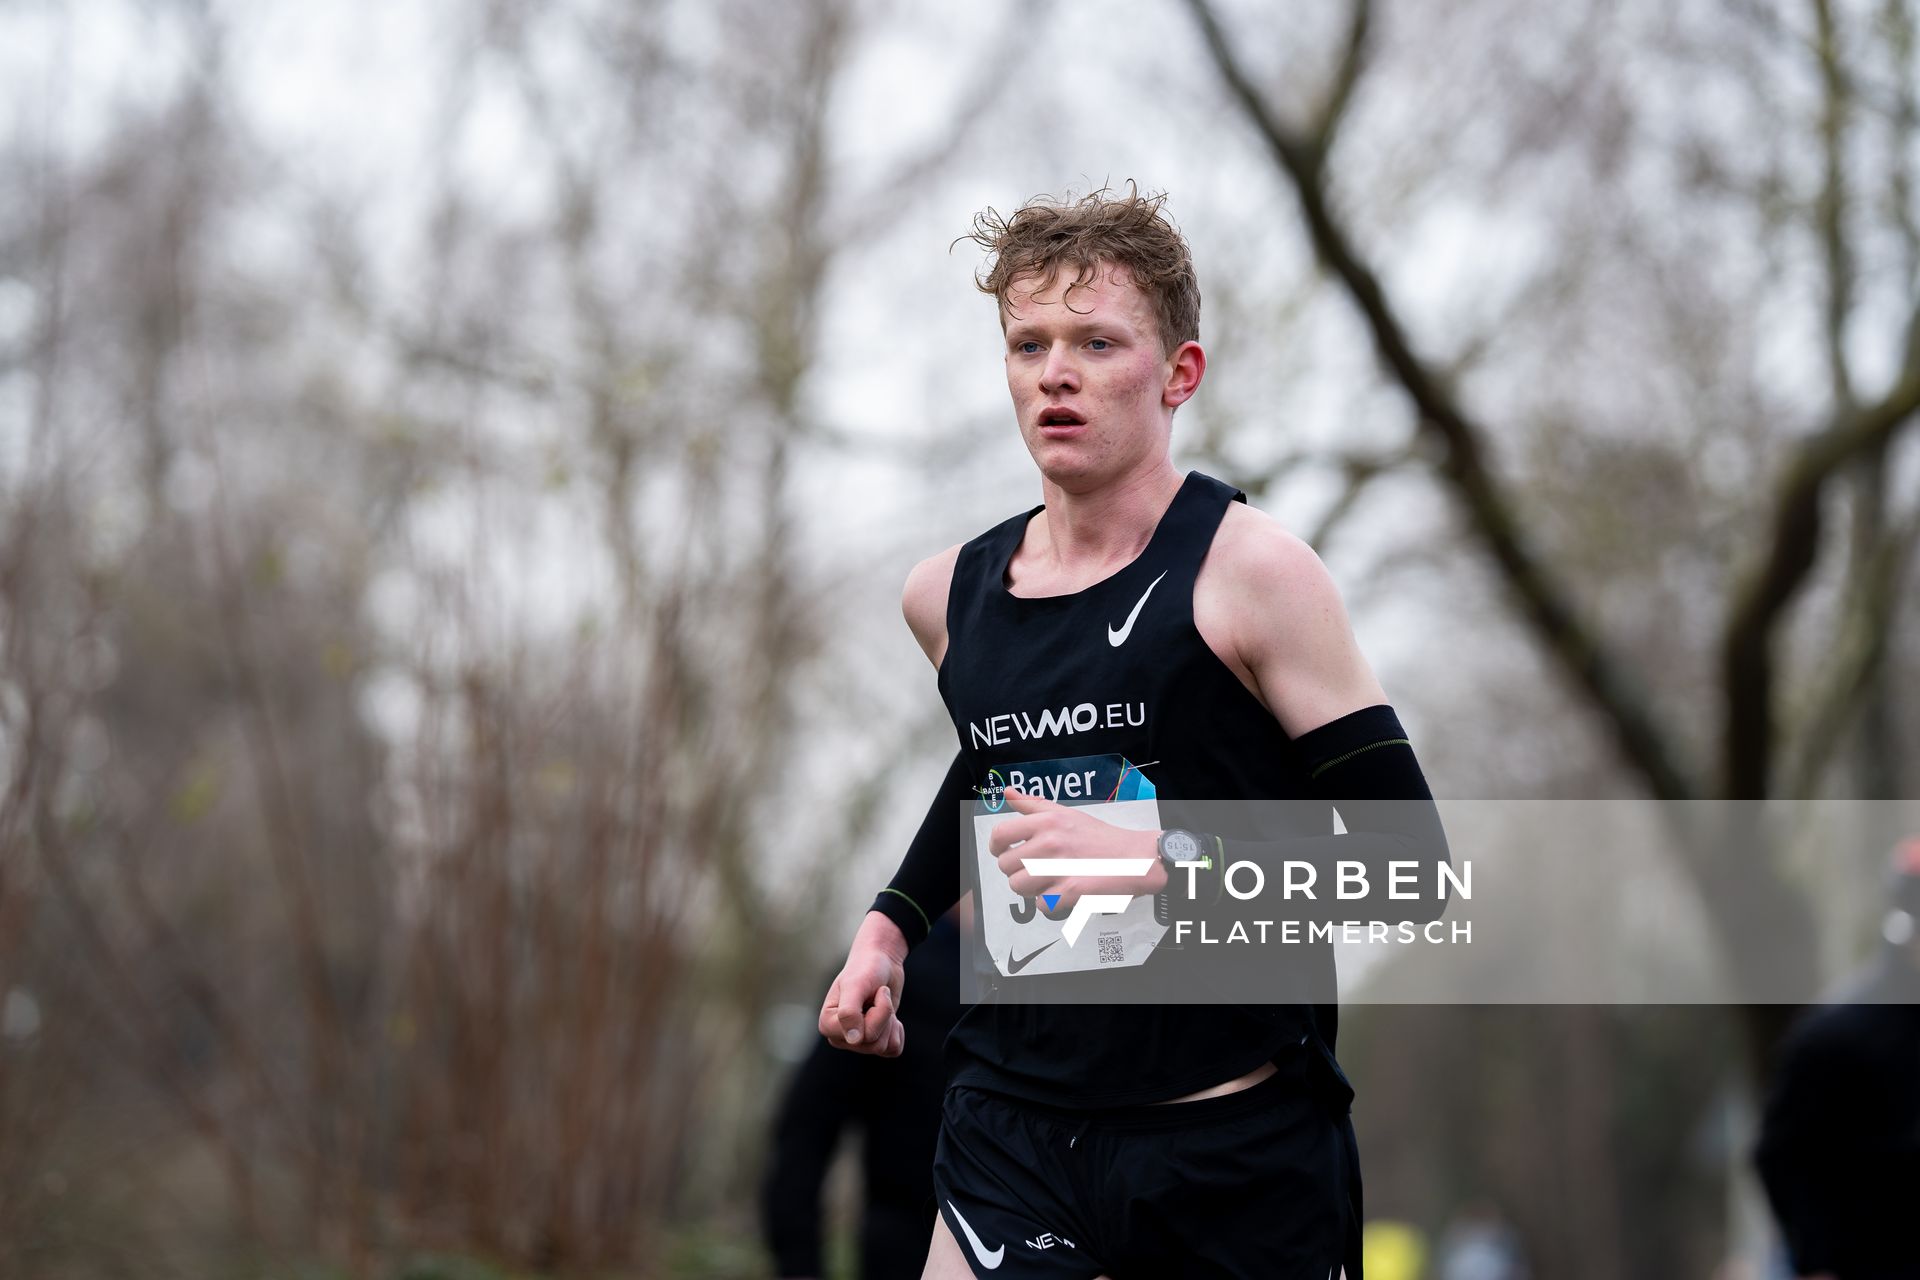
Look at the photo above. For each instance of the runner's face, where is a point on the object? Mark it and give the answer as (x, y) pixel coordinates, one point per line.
(1090, 384)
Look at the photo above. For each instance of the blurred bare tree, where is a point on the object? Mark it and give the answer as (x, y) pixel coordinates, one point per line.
(1668, 408)
(1654, 503)
(407, 626)
(430, 898)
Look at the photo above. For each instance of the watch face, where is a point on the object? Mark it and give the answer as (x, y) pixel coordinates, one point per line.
(1180, 844)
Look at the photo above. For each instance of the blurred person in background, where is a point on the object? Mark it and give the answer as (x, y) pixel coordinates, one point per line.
(895, 1103)
(1839, 1146)
(1479, 1244)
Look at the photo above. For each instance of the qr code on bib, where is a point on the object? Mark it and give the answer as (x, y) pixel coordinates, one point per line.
(1111, 949)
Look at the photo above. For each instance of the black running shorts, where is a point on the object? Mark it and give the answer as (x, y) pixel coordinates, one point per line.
(1259, 1183)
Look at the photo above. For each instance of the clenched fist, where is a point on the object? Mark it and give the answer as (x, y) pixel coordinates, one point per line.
(862, 1008)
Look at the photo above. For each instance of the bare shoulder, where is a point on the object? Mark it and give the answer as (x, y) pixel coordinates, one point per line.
(1252, 550)
(924, 601)
(1266, 604)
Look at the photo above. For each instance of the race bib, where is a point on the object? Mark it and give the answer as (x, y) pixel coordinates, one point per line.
(1027, 936)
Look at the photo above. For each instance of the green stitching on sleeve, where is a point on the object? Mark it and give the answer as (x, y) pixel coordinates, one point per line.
(1384, 742)
(916, 906)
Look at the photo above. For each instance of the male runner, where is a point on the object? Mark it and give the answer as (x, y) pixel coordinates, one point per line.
(1125, 1140)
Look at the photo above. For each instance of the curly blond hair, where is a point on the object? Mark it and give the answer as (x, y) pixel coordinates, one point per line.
(1104, 226)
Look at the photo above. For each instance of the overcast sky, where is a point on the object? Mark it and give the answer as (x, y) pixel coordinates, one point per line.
(347, 101)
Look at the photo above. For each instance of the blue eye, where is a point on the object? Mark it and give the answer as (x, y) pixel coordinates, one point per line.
(1027, 348)
(1099, 344)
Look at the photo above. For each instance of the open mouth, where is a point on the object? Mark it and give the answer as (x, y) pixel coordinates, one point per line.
(1061, 417)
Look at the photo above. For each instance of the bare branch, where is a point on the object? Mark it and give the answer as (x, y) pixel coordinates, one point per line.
(1358, 467)
(1361, 470)
(1580, 651)
(141, 1022)
(1856, 656)
(1832, 206)
(1898, 20)
(1352, 60)
(1747, 649)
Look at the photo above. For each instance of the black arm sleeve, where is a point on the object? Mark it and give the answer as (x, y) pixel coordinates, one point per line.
(928, 882)
(1363, 765)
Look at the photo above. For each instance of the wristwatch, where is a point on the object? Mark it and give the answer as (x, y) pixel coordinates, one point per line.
(1178, 846)
(1173, 846)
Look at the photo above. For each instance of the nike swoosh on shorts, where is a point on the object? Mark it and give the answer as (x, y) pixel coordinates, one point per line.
(1118, 638)
(988, 1258)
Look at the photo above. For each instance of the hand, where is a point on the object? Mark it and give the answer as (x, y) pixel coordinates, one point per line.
(1045, 829)
(861, 1009)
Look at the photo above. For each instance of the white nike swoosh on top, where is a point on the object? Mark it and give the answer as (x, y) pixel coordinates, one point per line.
(988, 1258)
(1118, 638)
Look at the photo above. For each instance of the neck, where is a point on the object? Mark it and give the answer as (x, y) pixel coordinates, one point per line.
(1093, 528)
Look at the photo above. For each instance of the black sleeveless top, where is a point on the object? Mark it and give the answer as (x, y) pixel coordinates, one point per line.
(1030, 679)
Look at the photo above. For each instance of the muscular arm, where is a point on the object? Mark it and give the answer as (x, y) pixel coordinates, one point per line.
(923, 602)
(1267, 605)
(1363, 765)
(859, 1011)
(927, 882)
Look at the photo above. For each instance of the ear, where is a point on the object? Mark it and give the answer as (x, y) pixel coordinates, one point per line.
(1185, 367)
